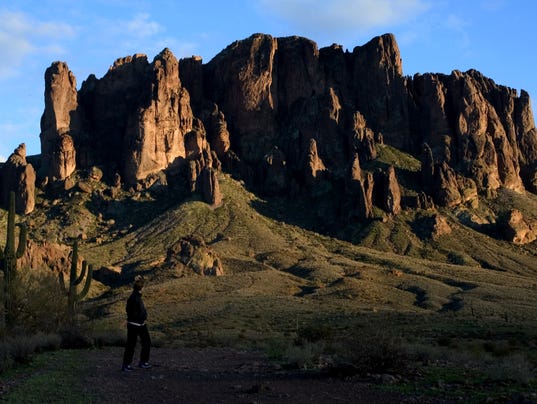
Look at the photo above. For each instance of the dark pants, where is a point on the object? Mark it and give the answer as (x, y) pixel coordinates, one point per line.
(133, 331)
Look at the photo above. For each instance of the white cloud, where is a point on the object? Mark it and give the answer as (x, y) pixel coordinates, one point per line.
(493, 5)
(339, 15)
(21, 37)
(459, 26)
(2, 159)
(142, 26)
(137, 33)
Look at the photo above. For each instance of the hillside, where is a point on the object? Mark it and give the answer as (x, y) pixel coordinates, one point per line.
(275, 268)
(294, 200)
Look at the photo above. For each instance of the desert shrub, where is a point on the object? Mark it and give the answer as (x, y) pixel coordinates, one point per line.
(514, 368)
(6, 361)
(111, 338)
(305, 356)
(314, 333)
(75, 337)
(20, 349)
(40, 303)
(372, 352)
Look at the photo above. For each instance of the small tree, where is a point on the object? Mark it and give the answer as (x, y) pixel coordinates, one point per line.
(73, 296)
(8, 262)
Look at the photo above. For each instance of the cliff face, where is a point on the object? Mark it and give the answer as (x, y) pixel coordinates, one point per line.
(136, 116)
(290, 119)
(284, 92)
(59, 122)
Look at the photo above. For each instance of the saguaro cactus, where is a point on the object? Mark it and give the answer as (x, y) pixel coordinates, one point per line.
(8, 261)
(73, 295)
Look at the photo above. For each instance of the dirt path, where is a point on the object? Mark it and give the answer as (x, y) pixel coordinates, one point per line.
(213, 375)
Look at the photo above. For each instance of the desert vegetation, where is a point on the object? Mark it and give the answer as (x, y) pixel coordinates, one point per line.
(313, 205)
(420, 322)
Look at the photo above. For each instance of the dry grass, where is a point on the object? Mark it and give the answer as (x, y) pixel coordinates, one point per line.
(280, 277)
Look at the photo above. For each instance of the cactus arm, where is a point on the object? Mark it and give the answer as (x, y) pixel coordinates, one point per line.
(10, 237)
(78, 280)
(74, 262)
(62, 282)
(22, 241)
(85, 291)
(86, 272)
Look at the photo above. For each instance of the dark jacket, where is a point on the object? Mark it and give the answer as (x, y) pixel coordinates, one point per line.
(136, 312)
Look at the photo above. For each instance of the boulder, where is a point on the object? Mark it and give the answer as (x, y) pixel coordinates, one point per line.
(191, 254)
(439, 227)
(517, 229)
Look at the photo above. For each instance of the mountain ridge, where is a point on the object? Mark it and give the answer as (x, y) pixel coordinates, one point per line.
(291, 120)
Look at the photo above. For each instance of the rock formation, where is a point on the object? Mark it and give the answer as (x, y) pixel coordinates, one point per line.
(329, 104)
(387, 191)
(439, 227)
(59, 122)
(17, 175)
(210, 188)
(516, 229)
(40, 255)
(137, 115)
(192, 254)
(289, 118)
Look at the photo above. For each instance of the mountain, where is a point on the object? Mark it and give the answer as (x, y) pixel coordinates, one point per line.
(343, 141)
(291, 119)
(314, 204)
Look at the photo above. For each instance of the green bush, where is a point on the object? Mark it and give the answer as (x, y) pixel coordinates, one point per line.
(515, 368)
(40, 305)
(305, 356)
(314, 333)
(19, 349)
(372, 353)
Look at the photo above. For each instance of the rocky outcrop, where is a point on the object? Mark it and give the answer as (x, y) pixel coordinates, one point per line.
(156, 138)
(276, 173)
(363, 138)
(314, 166)
(46, 255)
(60, 121)
(218, 134)
(210, 188)
(191, 254)
(284, 92)
(439, 227)
(139, 114)
(387, 191)
(136, 121)
(17, 175)
(517, 229)
(290, 119)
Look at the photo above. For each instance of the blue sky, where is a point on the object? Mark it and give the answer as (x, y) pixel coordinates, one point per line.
(496, 37)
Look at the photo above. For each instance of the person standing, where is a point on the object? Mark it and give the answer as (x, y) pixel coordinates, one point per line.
(136, 326)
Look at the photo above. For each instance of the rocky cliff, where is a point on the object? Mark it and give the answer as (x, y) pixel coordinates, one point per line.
(294, 120)
(325, 110)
